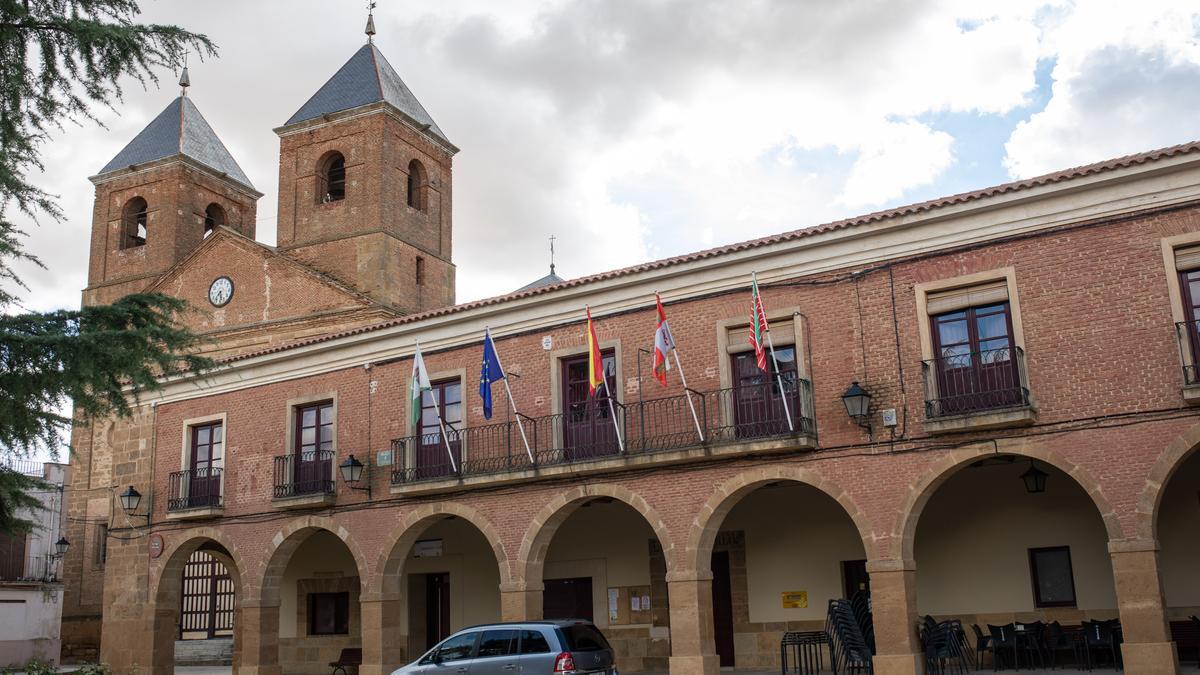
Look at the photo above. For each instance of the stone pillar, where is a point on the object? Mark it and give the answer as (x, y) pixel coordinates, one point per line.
(894, 613)
(520, 601)
(260, 641)
(382, 644)
(693, 643)
(1148, 647)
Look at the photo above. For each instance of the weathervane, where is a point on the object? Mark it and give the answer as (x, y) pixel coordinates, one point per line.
(551, 254)
(184, 80)
(370, 22)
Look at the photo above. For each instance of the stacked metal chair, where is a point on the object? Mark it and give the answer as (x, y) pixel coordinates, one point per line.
(944, 645)
(848, 648)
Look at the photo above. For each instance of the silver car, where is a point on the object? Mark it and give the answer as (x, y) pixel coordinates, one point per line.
(568, 646)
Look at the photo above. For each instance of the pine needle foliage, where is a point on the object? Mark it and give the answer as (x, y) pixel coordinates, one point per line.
(61, 61)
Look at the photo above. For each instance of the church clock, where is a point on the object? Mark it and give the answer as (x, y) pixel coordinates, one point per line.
(221, 291)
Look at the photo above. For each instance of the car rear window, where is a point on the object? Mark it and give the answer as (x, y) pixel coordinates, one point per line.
(583, 638)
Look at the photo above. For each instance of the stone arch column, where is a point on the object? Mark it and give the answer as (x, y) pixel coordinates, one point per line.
(523, 592)
(896, 612)
(165, 608)
(383, 646)
(691, 584)
(261, 613)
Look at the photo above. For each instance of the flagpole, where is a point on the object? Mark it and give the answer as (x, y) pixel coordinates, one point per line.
(686, 390)
(613, 413)
(445, 439)
(511, 403)
(441, 422)
(778, 377)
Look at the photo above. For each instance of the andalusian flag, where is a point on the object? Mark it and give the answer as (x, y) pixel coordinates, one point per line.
(663, 343)
(595, 360)
(420, 384)
(758, 325)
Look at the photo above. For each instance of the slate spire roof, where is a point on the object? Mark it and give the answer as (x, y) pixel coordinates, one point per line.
(179, 129)
(365, 79)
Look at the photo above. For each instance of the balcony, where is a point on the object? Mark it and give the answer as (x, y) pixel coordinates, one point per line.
(195, 494)
(977, 390)
(1187, 333)
(660, 431)
(304, 479)
(20, 569)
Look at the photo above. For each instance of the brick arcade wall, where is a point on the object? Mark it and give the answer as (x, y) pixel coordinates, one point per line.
(1103, 367)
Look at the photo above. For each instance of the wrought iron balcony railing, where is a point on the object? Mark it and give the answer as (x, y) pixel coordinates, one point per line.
(304, 473)
(194, 489)
(975, 382)
(588, 432)
(1187, 333)
(43, 568)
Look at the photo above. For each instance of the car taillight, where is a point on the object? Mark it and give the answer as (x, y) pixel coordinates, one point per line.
(564, 663)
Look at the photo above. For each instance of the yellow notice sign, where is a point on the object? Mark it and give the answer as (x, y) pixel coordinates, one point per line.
(794, 599)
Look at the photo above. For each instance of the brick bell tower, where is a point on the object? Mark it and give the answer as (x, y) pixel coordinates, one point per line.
(364, 187)
(160, 197)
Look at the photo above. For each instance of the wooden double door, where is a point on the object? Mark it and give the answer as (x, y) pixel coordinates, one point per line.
(588, 424)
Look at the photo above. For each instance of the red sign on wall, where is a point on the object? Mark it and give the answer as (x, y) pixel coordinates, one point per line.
(156, 545)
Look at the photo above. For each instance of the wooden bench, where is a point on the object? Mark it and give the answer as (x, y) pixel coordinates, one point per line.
(1186, 635)
(351, 657)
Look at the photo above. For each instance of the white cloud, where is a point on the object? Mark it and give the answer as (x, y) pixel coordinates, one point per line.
(643, 128)
(1126, 79)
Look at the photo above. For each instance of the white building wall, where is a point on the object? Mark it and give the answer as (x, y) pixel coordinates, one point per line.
(31, 608)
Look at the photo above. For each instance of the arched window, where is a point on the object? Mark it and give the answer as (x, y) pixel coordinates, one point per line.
(133, 223)
(417, 185)
(331, 178)
(214, 215)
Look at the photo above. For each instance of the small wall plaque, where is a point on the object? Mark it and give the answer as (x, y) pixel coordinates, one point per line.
(156, 545)
(794, 599)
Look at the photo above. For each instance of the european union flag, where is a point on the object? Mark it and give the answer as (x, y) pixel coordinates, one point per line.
(489, 373)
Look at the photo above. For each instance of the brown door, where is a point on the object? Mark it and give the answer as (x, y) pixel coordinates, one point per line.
(855, 578)
(757, 402)
(437, 608)
(587, 418)
(432, 458)
(567, 598)
(314, 449)
(722, 592)
(204, 483)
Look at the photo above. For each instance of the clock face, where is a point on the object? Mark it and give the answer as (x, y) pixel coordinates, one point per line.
(221, 291)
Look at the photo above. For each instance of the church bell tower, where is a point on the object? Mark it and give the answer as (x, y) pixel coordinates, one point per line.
(365, 187)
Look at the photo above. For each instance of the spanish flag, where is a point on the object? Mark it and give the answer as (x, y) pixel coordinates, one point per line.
(595, 361)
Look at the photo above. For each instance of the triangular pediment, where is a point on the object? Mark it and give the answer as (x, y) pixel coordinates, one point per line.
(266, 287)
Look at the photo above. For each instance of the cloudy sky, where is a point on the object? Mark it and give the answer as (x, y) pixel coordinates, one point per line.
(638, 129)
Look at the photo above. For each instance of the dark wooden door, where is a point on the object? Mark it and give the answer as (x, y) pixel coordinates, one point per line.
(976, 363)
(314, 447)
(757, 401)
(588, 429)
(204, 482)
(432, 458)
(722, 592)
(12, 556)
(567, 598)
(437, 608)
(855, 578)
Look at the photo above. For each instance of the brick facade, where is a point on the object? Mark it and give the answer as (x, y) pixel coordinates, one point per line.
(332, 316)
